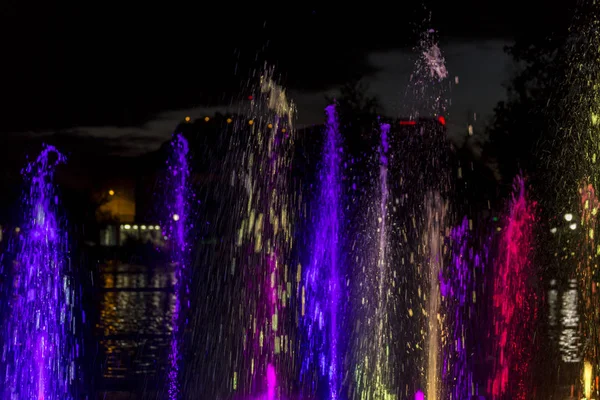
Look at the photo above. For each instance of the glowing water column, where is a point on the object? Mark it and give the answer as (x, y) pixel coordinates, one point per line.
(264, 241)
(587, 271)
(433, 241)
(459, 297)
(322, 276)
(177, 206)
(514, 301)
(37, 359)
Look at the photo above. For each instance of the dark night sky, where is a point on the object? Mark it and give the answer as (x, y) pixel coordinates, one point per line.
(128, 74)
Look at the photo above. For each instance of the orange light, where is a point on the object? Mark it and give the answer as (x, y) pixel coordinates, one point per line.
(284, 130)
(442, 120)
(250, 122)
(206, 119)
(187, 119)
(270, 126)
(111, 192)
(229, 120)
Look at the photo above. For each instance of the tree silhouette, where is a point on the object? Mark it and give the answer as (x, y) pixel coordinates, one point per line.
(526, 118)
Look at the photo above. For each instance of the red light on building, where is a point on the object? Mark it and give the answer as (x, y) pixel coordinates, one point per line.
(408, 122)
(442, 120)
(250, 97)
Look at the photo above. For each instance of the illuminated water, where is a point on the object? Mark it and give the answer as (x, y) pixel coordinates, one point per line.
(461, 291)
(323, 285)
(38, 358)
(381, 301)
(177, 225)
(515, 305)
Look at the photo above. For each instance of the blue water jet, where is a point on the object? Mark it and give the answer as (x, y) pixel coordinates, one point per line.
(177, 204)
(37, 358)
(322, 277)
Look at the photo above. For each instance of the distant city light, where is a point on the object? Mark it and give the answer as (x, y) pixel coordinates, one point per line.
(568, 217)
(151, 227)
(127, 226)
(187, 119)
(111, 192)
(250, 97)
(270, 126)
(175, 217)
(135, 227)
(284, 130)
(553, 230)
(156, 227)
(206, 119)
(442, 120)
(229, 120)
(250, 122)
(573, 227)
(17, 229)
(143, 227)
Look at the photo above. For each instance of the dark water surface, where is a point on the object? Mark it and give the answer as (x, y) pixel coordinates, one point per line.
(135, 305)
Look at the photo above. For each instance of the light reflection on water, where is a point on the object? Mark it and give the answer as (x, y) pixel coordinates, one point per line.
(134, 327)
(564, 324)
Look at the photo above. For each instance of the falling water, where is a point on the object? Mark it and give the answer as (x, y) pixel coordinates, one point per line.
(323, 281)
(381, 361)
(38, 361)
(177, 223)
(589, 207)
(514, 300)
(374, 355)
(426, 185)
(433, 240)
(459, 291)
(260, 154)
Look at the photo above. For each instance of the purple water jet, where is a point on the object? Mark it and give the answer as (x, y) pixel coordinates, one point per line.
(322, 277)
(458, 289)
(37, 360)
(177, 227)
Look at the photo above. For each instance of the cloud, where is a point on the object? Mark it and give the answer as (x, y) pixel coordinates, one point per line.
(481, 67)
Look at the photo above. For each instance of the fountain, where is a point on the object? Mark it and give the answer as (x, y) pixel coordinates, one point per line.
(322, 280)
(460, 290)
(38, 356)
(177, 224)
(514, 301)
(373, 336)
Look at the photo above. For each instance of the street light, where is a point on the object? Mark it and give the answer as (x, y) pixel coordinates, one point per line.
(111, 192)
(175, 217)
(573, 227)
(568, 217)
